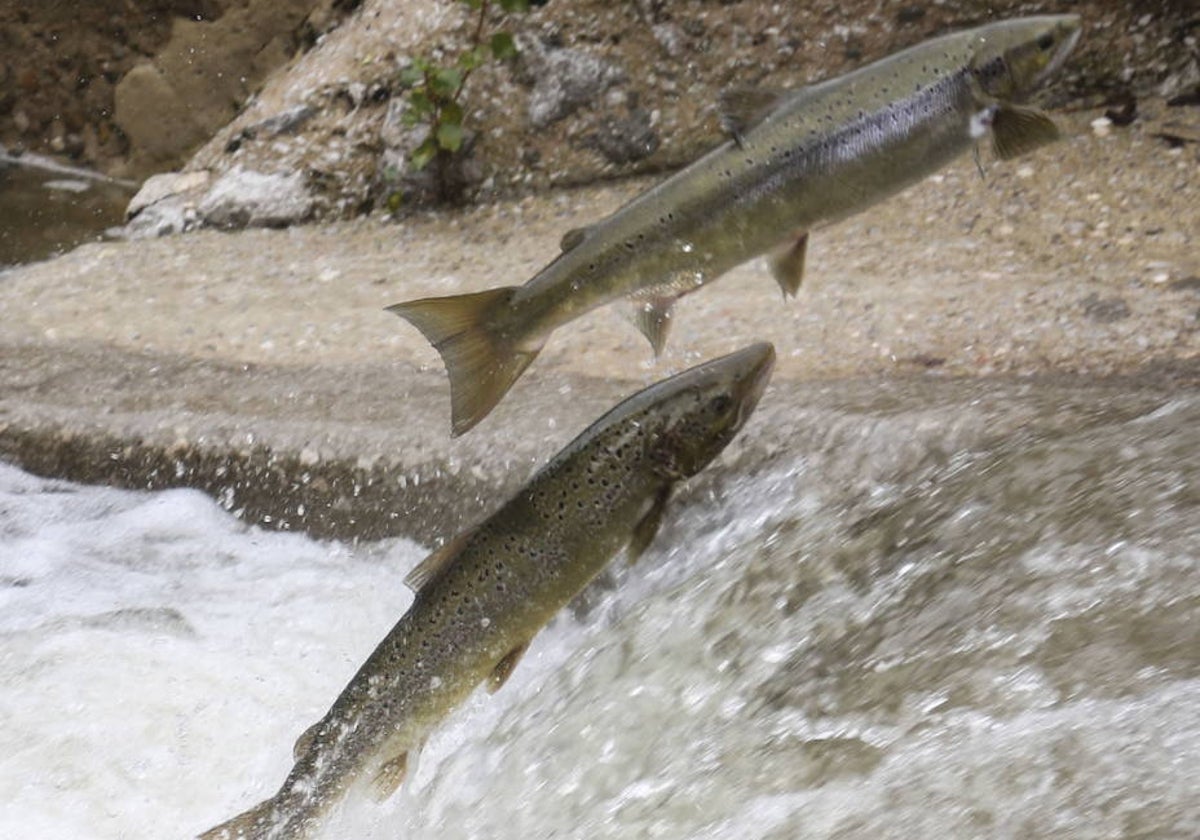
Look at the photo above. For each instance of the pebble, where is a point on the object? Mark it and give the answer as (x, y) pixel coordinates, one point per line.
(1101, 126)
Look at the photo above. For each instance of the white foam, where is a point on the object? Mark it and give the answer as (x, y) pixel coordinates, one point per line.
(158, 657)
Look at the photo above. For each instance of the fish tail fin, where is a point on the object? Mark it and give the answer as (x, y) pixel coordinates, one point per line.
(481, 362)
(254, 824)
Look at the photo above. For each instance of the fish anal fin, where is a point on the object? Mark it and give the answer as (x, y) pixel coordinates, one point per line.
(743, 107)
(647, 527)
(305, 741)
(1017, 130)
(389, 777)
(255, 822)
(652, 316)
(481, 362)
(787, 264)
(431, 566)
(504, 667)
(573, 238)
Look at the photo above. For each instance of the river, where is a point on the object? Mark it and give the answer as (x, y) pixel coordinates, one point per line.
(903, 609)
(46, 207)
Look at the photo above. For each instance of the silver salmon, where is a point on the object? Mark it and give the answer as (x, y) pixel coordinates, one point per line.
(481, 599)
(795, 160)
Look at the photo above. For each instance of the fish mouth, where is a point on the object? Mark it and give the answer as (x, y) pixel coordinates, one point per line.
(1074, 24)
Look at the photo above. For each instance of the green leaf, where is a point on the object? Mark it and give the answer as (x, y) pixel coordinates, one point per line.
(452, 113)
(514, 5)
(420, 103)
(424, 153)
(394, 201)
(473, 4)
(445, 81)
(503, 46)
(410, 118)
(450, 136)
(411, 75)
(472, 58)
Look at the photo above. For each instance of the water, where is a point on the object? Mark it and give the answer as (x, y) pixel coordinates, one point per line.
(964, 611)
(47, 208)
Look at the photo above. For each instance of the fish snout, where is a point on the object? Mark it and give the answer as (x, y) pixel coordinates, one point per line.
(759, 361)
(1070, 28)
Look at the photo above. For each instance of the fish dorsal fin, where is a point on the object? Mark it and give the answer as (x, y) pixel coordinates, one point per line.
(742, 108)
(573, 237)
(646, 528)
(1017, 130)
(787, 264)
(390, 776)
(304, 742)
(505, 666)
(431, 566)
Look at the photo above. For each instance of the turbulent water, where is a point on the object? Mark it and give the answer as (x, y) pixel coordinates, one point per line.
(948, 612)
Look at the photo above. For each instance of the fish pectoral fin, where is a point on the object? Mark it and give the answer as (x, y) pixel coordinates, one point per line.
(304, 742)
(741, 108)
(787, 264)
(504, 667)
(390, 776)
(652, 317)
(431, 566)
(647, 527)
(572, 238)
(1017, 130)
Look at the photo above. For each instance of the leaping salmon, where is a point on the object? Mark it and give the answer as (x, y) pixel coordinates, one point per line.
(795, 160)
(482, 598)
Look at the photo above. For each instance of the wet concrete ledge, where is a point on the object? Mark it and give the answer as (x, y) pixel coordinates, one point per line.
(362, 452)
(347, 452)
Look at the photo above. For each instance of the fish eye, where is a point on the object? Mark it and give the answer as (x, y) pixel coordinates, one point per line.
(720, 403)
(1046, 41)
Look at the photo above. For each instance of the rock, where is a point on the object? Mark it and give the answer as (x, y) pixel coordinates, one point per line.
(243, 198)
(1176, 132)
(284, 123)
(173, 214)
(564, 80)
(202, 76)
(164, 205)
(671, 38)
(1183, 87)
(625, 140)
(159, 187)
(154, 117)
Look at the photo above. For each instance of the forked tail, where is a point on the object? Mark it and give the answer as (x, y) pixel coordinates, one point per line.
(481, 362)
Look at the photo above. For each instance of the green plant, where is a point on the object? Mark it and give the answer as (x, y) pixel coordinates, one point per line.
(434, 90)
